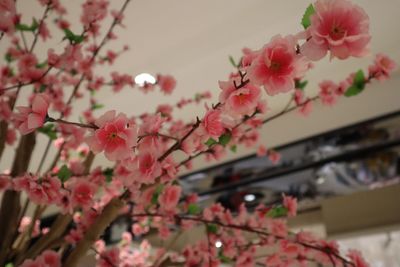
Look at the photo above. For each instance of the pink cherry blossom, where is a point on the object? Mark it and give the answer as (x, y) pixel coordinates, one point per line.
(357, 258)
(169, 197)
(261, 151)
(277, 65)
(167, 83)
(8, 16)
(382, 68)
(338, 26)
(212, 123)
(290, 204)
(114, 136)
(243, 101)
(82, 193)
(327, 92)
(30, 118)
(51, 258)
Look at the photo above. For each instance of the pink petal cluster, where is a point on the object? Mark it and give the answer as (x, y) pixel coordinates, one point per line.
(8, 16)
(277, 65)
(48, 258)
(290, 204)
(338, 26)
(356, 257)
(167, 83)
(169, 198)
(115, 136)
(212, 123)
(382, 68)
(30, 118)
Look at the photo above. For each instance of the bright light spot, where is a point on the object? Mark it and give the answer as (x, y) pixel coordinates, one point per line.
(320, 180)
(218, 244)
(144, 78)
(249, 197)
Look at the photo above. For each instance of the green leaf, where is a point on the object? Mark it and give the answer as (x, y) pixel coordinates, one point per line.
(26, 28)
(358, 84)
(211, 142)
(353, 90)
(234, 148)
(41, 65)
(212, 228)
(305, 21)
(48, 130)
(10, 264)
(232, 61)
(300, 84)
(72, 37)
(108, 173)
(97, 106)
(64, 173)
(359, 79)
(276, 212)
(156, 194)
(194, 209)
(8, 57)
(225, 138)
(224, 258)
(42, 88)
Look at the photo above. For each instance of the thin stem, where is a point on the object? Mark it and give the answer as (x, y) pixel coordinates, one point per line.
(46, 151)
(82, 125)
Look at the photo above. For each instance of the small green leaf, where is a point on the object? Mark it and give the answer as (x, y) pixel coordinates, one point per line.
(300, 84)
(212, 228)
(42, 88)
(224, 258)
(194, 209)
(359, 79)
(306, 21)
(156, 194)
(26, 28)
(108, 173)
(41, 65)
(353, 90)
(276, 212)
(225, 138)
(72, 37)
(49, 130)
(64, 173)
(211, 142)
(232, 61)
(97, 106)
(234, 148)
(8, 57)
(10, 264)
(358, 84)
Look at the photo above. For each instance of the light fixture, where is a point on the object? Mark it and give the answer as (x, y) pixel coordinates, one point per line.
(320, 180)
(249, 197)
(218, 244)
(144, 78)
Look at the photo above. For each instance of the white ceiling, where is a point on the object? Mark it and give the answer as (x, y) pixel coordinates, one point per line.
(193, 39)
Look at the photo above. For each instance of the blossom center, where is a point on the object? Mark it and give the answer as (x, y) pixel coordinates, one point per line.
(337, 32)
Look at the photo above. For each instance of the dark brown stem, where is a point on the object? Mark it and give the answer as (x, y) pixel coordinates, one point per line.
(82, 125)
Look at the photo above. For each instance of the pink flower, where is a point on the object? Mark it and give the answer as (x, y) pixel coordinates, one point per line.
(243, 101)
(30, 118)
(51, 258)
(327, 92)
(306, 108)
(277, 65)
(167, 83)
(109, 258)
(148, 167)
(169, 198)
(8, 15)
(115, 136)
(274, 156)
(382, 68)
(357, 258)
(338, 26)
(82, 193)
(261, 151)
(212, 123)
(290, 204)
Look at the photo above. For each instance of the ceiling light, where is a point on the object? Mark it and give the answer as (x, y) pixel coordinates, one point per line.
(218, 244)
(320, 180)
(144, 78)
(249, 197)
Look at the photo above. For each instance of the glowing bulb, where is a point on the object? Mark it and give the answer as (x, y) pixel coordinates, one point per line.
(320, 180)
(144, 78)
(218, 244)
(249, 197)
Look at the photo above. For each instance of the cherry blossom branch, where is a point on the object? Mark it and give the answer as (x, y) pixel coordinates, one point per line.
(82, 125)
(179, 217)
